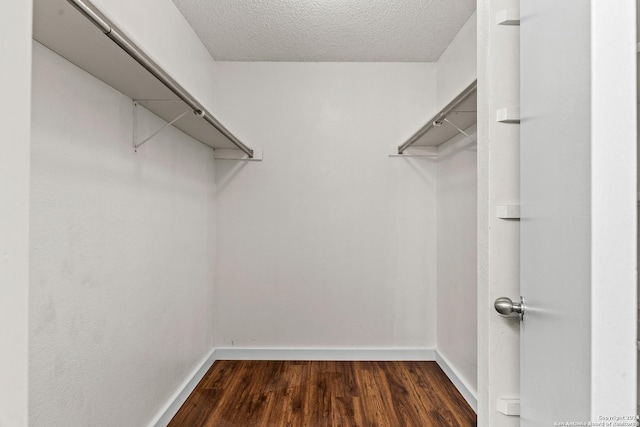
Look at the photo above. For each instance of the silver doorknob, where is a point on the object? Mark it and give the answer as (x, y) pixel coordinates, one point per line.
(505, 307)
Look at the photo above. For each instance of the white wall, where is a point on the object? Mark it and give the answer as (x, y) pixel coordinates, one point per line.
(15, 119)
(327, 243)
(122, 251)
(457, 257)
(456, 67)
(457, 218)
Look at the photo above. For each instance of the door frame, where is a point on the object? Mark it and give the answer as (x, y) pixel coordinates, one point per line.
(15, 148)
(614, 195)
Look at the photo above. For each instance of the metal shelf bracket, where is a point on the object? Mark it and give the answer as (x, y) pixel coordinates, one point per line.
(136, 144)
(440, 118)
(86, 8)
(458, 129)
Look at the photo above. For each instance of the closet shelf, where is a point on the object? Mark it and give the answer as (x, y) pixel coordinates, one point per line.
(118, 62)
(458, 115)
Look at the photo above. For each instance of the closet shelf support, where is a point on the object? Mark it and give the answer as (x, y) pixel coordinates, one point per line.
(440, 117)
(138, 55)
(460, 130)
(136, 144)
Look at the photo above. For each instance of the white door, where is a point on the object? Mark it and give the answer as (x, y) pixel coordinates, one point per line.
(578, 212)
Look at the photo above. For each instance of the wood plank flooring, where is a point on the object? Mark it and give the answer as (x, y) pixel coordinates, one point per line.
(324, 393)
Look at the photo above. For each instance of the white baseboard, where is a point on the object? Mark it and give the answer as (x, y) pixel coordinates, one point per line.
(170, 409)
(368, 354)
(463, 388)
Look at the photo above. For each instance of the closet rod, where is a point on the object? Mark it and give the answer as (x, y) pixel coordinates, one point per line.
(438, 118)
(157, 72)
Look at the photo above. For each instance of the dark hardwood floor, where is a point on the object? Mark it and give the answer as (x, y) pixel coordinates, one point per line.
(288, 393)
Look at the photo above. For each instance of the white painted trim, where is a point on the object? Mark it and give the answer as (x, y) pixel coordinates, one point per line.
(371, 354)
(346, 354)
(469, 395)
(176, 401)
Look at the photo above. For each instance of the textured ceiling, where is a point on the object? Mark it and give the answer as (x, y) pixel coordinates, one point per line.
(326, 30)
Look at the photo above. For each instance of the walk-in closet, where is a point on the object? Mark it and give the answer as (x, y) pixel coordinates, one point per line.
(318, 213)
(292, 210)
